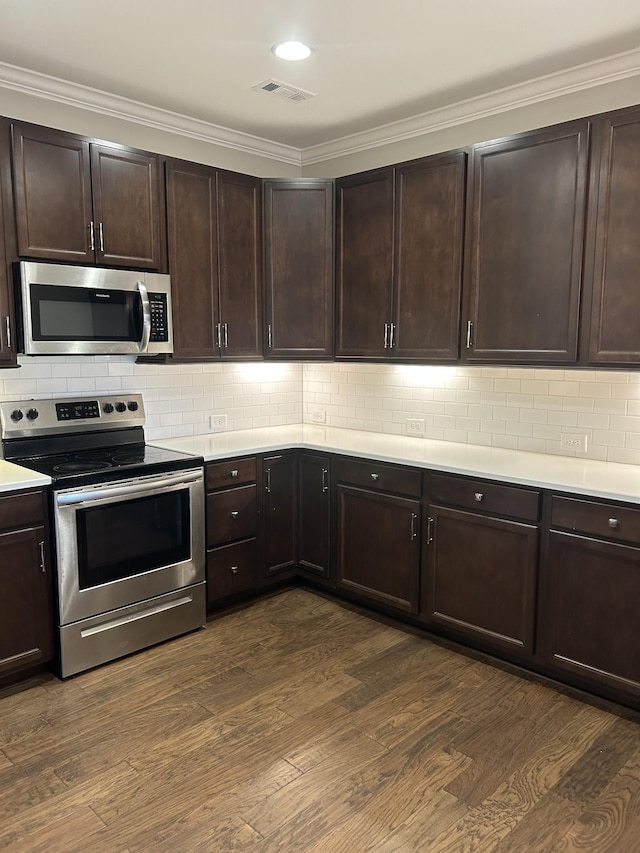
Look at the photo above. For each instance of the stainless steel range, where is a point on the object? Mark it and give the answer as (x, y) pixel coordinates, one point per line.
(128, 523)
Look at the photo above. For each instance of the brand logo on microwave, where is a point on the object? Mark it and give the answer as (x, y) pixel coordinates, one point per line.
(103, 295)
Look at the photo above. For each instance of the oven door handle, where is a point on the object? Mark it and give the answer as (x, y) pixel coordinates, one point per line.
(146, 317)
(148, 486)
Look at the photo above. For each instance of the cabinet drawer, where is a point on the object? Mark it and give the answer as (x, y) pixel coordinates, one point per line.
(21, 511)
(379, 476)
(606, 521)
(483, 496)
(231, 514)
(232, 568)
(233, 472)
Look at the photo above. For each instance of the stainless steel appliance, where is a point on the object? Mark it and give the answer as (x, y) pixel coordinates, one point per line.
(67, 310)
(128, 522)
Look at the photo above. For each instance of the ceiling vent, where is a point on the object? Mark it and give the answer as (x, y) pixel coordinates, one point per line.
(283, 91)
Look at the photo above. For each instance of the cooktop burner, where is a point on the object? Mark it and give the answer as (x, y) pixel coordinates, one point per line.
(79, 467)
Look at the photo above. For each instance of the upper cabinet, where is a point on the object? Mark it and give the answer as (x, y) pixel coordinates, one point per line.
(215, 262)
(299, 262)
(525, 245)
(7, 329)
(615, 236)
(83, 202)
(399, 267)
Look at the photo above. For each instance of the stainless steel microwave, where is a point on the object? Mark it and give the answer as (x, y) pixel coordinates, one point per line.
(67, 310)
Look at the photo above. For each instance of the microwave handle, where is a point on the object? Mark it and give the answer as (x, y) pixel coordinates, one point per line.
(146, 317)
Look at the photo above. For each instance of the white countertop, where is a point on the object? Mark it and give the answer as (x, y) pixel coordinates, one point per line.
(14, 477)
(562, 473)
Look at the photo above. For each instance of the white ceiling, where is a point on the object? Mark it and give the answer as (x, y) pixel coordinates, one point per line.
(374, 61)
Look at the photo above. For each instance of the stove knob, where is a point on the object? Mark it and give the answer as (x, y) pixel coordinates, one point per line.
(32, 414)
(133, 406)
(16, 415)
(121, 407)
(107, 408)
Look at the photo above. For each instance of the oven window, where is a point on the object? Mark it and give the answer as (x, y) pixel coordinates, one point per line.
(62, 313)
(126, 538)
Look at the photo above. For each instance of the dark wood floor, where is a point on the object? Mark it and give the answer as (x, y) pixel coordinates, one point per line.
(299, 725)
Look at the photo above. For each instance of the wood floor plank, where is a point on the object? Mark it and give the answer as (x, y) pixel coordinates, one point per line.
(301, 725)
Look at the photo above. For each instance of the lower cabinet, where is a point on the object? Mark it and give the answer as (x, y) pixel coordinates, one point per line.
(314, 508)
(26, 608)
(480, 569)
(377, 533)
(588, 623)
(280, 512)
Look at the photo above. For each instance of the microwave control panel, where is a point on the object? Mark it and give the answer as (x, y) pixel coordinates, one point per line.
(159, 321)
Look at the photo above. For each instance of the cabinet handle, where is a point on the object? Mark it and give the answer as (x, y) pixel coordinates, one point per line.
(234, 473)
(234, 513)
(268, 486)
(7, 333)
(325, 479)
(392, 335)
(101, 236)
(269, 339)
(614, 523)
(414, 518)
(226, 335)
(478, 496)
(386, 336)
(375, 476)
(469, 334)
(42, 566)
(234, 570)
(429, 531)
(218, 335)
(92, 236)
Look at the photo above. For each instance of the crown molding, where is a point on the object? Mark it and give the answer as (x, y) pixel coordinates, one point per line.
(579, 78)
(87, 98)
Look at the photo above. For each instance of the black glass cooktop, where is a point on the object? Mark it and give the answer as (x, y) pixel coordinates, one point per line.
(86, 467)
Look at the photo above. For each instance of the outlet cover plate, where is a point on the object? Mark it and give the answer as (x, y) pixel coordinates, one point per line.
(574, 441)
(319, 416)
(217, 423)
(415, 426)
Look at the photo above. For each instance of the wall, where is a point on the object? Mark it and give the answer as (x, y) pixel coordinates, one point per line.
(518, 408)
(178, 398)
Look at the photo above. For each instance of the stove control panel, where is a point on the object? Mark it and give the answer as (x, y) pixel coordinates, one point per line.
(23, 418)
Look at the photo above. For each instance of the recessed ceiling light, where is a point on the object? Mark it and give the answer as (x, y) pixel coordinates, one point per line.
(292, 50)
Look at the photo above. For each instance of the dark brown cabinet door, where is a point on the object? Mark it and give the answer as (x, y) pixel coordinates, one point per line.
(240, 265)
(26, 623)
(7, 330)
(429, 226)
(52, 188)
(480, 578)
(299, 225)
(378, 546)
(280, 512)
(526, 227)
(314, 507)
(364, 265)
(127, 207)
(193, 259)
(588, 611)
(615, 317)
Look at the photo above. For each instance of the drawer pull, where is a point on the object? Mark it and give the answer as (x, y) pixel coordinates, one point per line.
(234, 570)
(479, 496)
(375, 476)
(234, 473)
(614, 523)
(234, 513)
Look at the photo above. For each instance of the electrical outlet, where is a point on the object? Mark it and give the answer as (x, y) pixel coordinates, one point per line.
(574, 441)
(415, 426)
(217, 423)
(319, 416)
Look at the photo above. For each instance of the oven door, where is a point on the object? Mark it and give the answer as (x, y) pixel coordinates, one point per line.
(124, 542)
